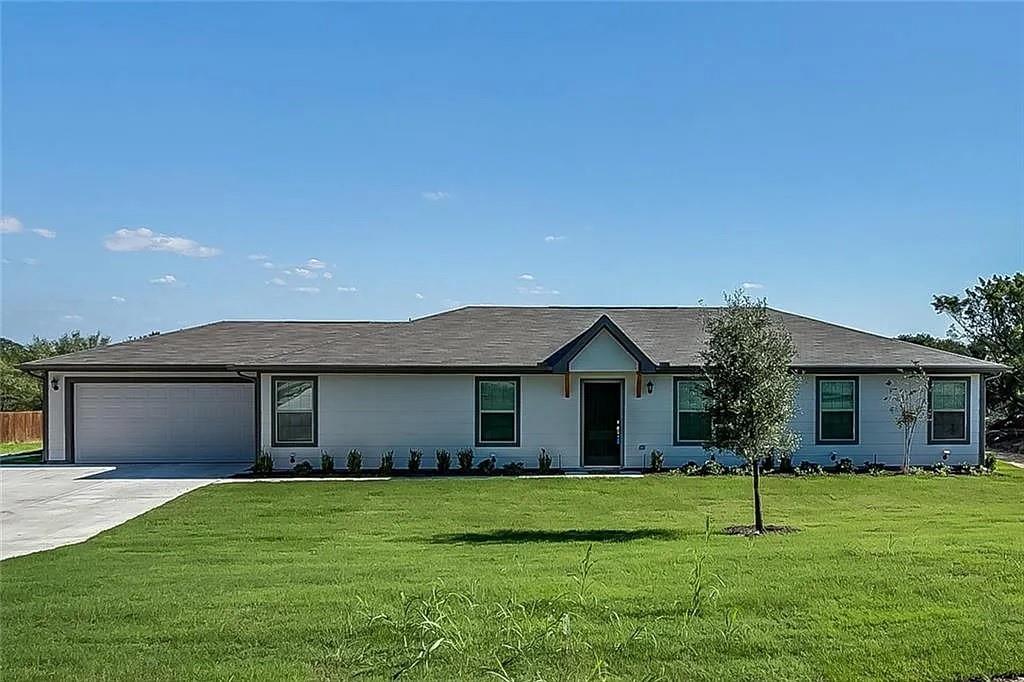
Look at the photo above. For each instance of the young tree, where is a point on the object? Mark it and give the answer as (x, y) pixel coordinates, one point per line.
(989, 317)
(751, 390)
(20, 391)
(908, 403)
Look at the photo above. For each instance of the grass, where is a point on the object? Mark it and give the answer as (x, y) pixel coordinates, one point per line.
(890, 578)
(20, 448)
(21, 453)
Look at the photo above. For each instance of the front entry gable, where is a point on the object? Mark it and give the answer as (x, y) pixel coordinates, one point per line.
(603, 347)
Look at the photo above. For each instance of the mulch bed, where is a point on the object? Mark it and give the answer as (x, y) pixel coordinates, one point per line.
(1005, 677)
(397, 473)
(750, 531)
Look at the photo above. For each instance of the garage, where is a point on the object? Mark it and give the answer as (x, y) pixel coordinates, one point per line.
(161, 421)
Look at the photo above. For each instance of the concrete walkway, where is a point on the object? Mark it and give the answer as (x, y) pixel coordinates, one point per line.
(42, 507)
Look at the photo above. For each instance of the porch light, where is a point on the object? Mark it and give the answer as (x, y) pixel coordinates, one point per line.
(55, 384)
(650, 387)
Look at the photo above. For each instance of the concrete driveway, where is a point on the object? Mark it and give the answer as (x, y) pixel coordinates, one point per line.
(42, 507)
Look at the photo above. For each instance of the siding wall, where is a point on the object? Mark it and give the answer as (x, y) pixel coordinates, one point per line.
(374, 413)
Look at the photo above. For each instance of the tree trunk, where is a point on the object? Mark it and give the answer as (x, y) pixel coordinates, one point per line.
(758, 520)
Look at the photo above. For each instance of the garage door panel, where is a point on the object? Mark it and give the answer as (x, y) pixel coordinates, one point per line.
(169, 422)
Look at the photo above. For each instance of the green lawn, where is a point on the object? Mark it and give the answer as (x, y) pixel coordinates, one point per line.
(20, 448)
(913, 578)
(21, 453)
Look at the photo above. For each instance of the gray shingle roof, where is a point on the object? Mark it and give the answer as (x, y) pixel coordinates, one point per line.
(487, 337)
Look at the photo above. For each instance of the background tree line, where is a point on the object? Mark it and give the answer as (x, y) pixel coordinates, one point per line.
(22, 392)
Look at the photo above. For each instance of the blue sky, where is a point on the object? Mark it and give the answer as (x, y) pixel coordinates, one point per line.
(388, 161)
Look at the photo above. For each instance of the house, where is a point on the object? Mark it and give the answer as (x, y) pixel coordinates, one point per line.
(595, 387)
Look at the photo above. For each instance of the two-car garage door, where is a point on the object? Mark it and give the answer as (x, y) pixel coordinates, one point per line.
(163, 422)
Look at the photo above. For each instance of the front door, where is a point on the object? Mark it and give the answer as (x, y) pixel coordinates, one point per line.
(602, 423)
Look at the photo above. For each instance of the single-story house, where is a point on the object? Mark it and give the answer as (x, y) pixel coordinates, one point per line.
(594, 386)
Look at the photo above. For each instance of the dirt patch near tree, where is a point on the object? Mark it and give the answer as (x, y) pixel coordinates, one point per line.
(750, 531)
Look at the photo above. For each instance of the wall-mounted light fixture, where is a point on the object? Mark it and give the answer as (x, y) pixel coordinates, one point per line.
(650, 387)
(55, 384)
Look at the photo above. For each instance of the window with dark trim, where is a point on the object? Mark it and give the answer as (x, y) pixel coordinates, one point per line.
(693, 423)
(294, 403)
(837, 409)
(948, 400)
(497, 411)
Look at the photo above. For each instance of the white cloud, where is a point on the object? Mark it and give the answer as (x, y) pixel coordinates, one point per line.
(419, 296)
(166, 279)
(435, 196)
(118, 299)
(9, 224)
(538, 290)
(315, 264)
(753, 285)
(526, 277)
(277, 282)
(268, 265)
(554, 238)
(257, 256)
(144, 239)
(30, 261)
(328, 275)
(44, 233)
(349, 290)
(72, 317)
(307, 290)
(304, 273)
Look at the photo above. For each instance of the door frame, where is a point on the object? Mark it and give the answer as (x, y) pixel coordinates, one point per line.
(71, 416)
(622, 423)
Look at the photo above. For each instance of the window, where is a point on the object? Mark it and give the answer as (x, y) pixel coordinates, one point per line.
(693, 423)
(294, 411)
(497, 407)
(837, 409)
(948, 401)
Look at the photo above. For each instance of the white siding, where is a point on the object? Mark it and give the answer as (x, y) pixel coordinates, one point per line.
(603, 354)
(374, 413)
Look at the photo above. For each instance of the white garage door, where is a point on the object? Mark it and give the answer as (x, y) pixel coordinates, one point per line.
(163, 422)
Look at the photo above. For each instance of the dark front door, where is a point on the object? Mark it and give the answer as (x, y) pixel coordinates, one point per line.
(602, 425)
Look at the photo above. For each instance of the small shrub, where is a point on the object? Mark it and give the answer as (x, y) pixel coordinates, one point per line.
(387, 462)
(786, 464)
(513, 468)
(486, 465)
(326, 462)
(444, 460)
(914, 471)
(744, 469)
(544, 461)
(969, 469)
(303, 467)
(844, 466)
(355, 461)
(415, 457)
(264, 463)
(465, 457)
(874, 469)
(989, 461)
(768, 463)
(657, 460)
(711, 467)
(691, 468)
(810, 469)
(941, 469)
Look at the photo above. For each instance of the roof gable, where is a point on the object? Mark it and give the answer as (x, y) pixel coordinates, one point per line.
(560, 360)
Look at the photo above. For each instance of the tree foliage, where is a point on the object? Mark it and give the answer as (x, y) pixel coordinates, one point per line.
(989, 319)
(751, 390)
(21, 391)
(946, 344)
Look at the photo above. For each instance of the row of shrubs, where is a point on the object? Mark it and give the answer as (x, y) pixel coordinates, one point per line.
(844, 465)
(443, 463)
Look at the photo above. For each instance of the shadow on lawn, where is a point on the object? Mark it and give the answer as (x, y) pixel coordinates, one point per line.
(511, 536)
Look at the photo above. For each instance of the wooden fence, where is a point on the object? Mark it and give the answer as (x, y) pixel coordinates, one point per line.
(21, 427)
